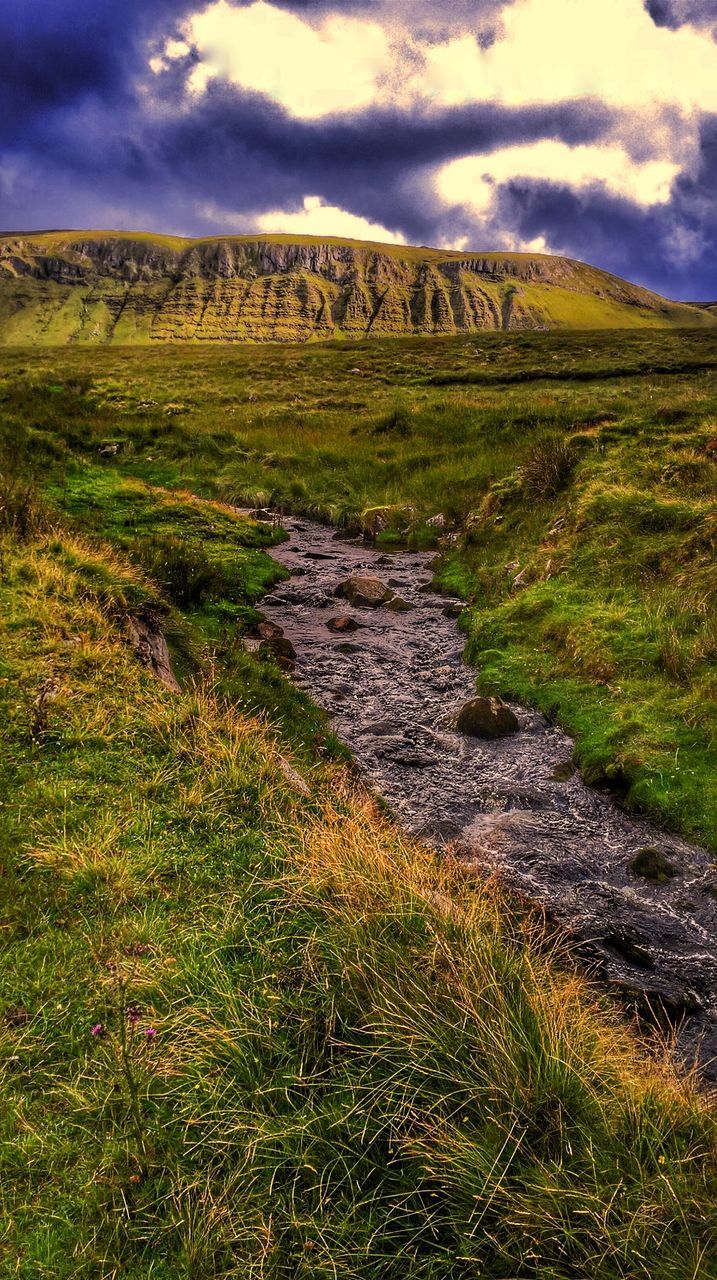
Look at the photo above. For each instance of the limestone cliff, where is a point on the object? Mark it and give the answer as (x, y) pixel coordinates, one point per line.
(60, 287)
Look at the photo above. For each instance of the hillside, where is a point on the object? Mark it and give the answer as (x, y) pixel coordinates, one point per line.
(126, 288)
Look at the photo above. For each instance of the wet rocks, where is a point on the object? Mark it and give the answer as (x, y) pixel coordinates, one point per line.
(342, 625)
(269, 630)
(279, 647)
(486, 718)
(453, 610)
(563, 771)
(397, 605)
(274, 644)
(261, 514)
(651, 864)
(364, 591)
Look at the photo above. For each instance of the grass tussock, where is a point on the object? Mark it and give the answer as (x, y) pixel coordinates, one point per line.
(249, 1031)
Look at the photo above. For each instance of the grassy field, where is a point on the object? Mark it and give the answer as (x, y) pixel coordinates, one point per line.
(247, 1030)
(584, 465)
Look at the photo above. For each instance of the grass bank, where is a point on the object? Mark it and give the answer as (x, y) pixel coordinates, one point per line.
(581, 465)
(246, 1029)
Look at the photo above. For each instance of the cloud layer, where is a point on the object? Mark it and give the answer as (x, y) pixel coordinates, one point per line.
(589, 129)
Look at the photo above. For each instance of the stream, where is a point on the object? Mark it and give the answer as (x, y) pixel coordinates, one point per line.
(510, 805)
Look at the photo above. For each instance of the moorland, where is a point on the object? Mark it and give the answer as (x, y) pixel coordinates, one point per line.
(249, 1028)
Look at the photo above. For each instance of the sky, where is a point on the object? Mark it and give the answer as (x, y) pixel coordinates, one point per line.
(580, 127)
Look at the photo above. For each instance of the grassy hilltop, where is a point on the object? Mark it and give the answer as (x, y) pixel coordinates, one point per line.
(318, 1051)
(126, 288)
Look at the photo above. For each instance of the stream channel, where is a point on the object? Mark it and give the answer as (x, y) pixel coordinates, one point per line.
(392, 686)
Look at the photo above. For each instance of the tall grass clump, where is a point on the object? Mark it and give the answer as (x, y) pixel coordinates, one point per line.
(548, 467)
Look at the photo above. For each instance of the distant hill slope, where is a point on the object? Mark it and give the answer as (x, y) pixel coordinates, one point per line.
(79, 286)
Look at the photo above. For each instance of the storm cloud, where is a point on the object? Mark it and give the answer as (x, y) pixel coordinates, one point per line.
(166, 117)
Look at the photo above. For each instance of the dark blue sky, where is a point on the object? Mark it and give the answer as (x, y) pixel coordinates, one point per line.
(587, 128)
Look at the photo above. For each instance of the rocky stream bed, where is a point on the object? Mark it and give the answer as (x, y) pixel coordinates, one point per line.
(641, 904)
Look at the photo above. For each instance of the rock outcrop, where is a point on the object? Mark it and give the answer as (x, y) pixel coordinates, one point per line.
(129, 288)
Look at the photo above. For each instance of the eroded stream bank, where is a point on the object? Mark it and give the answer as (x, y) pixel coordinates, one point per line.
(511, 804)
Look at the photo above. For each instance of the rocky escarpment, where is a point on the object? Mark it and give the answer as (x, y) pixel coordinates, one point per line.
(96, 287)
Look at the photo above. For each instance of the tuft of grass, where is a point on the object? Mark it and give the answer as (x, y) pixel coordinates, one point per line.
(548, 468)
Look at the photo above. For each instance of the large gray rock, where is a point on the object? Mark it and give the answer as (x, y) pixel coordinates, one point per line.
(486, 718)
(365, 591)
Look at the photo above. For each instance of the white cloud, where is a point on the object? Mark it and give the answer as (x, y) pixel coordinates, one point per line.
(319, 219)
(472, 180)
(561, 50)
(547, 51)
(311, 71)
(314, 218)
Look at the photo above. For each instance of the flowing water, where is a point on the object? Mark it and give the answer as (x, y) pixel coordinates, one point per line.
(393, 685)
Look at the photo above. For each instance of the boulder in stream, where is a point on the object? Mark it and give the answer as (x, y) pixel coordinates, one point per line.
(342, 625)
(398, 605)
(486, 718)
(651, 864)
(363, 590)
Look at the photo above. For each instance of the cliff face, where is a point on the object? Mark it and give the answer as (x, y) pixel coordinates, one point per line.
(122, 288)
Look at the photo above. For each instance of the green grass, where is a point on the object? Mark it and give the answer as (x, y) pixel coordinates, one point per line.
(612, 632)
(365, 1064)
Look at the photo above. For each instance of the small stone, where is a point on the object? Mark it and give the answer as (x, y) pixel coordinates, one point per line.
(269, 631)
(398, 605)
(278, 646)
(486, 718)
(342, 625)
(348, 648)
(563, 771)
(453, 610)
(651, 864)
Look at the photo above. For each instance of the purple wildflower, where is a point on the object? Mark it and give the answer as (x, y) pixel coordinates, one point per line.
(98, 1029)
(150, 1033)
(134, 1014)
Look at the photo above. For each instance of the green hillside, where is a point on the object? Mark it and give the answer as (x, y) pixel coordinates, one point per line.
(126, 288)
